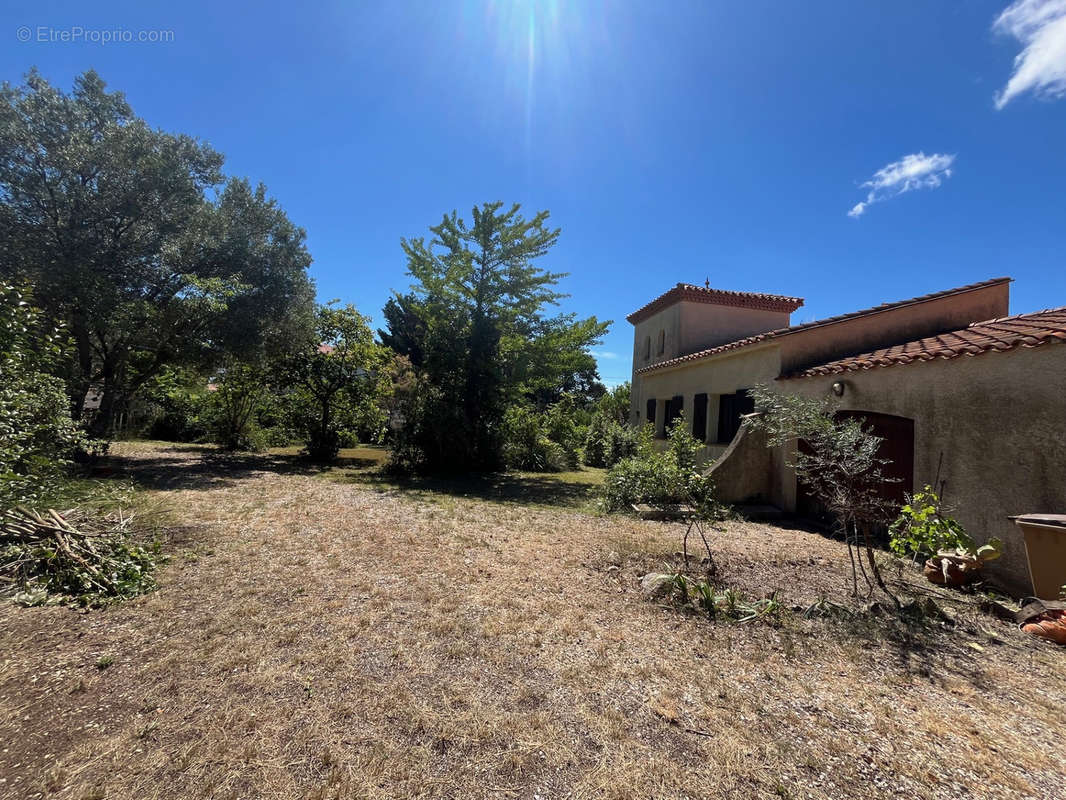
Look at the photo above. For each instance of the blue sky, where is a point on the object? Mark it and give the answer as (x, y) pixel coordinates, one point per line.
(676, 141)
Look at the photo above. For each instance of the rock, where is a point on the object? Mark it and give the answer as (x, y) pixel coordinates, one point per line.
(876, 609)
(656, 584)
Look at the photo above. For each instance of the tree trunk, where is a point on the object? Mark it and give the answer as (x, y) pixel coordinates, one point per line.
(81, 385)
(875, 569)
(103, 423)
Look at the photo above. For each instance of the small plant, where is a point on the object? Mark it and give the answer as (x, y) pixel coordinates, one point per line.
(707, 599)
(103, 662)
(924, 529)
(729, 604)
(682, 585)
(824, 607)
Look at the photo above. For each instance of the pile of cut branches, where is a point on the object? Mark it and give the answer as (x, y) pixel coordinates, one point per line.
(72, 557)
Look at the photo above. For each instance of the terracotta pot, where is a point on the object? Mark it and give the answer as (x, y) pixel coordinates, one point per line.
(960, 570)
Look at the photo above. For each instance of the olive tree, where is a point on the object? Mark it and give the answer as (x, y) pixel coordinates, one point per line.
(839, 465)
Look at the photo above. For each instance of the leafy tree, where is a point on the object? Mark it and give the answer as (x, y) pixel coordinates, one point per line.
(237, 396)
(486, 339)
(337, 379)
(614, 405)
(526, 446)
(610, 438)
(406, 332)
(839, 466)
(176, 399)
(37, 435)
(109, 219)
(542, 441)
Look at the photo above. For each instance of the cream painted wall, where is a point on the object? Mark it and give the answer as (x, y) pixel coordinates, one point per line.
(705, 325)
(998, 418)
(689, 327)
(723, 374)
(885, 328)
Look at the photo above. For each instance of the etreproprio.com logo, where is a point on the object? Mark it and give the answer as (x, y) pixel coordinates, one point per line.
(77, 34)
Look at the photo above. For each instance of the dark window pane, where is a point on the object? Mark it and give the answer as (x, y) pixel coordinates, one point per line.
(699, 417)
(674, 407)
(730, 408)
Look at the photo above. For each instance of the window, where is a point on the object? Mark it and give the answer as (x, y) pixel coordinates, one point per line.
(730, 408)
(647, 347)
(674, 406)
(699, 417)
(651, 411)
(662, 342)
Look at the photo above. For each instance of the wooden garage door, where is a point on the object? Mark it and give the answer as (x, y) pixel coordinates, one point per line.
(897, 446)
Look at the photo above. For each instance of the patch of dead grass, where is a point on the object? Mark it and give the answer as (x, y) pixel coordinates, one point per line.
(332, 641)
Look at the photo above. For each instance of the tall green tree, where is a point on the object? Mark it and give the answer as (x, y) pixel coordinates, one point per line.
(405, 330)
(337, 379)
(111, 221)
(487, 340)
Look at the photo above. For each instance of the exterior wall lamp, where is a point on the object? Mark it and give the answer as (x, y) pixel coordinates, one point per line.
(838, 388)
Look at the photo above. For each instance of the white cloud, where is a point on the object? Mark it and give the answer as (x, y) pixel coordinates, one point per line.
(1040, 25)
(914, 171)
(604, 354)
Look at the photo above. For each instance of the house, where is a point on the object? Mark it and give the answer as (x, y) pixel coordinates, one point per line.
(964, 395)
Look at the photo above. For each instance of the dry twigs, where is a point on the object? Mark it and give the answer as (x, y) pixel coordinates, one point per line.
(71, 556)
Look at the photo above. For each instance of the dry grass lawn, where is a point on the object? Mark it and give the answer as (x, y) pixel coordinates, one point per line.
(320, 637)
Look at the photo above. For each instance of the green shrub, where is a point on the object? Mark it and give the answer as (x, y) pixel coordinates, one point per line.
(660, 479)
(527, 447)
(923, 529)
(37, 435)
(608, 442)
(559, 425)
(177, 399)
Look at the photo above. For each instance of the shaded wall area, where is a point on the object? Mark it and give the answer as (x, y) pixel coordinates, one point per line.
(994, 425)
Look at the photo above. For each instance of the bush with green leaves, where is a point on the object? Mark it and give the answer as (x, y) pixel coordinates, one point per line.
(561, 426)
(608, 442)
(609, 438)
(661, 479)
(176, 399)
(923, 529)
(37, 435)
(527, 447)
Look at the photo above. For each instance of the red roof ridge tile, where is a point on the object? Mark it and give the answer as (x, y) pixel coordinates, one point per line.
(1013, 317)
(1029, 330)
(725, 297)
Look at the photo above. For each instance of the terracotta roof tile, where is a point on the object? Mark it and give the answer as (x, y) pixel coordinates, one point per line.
(1005, 333)
(815, 324)
(721, 297)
